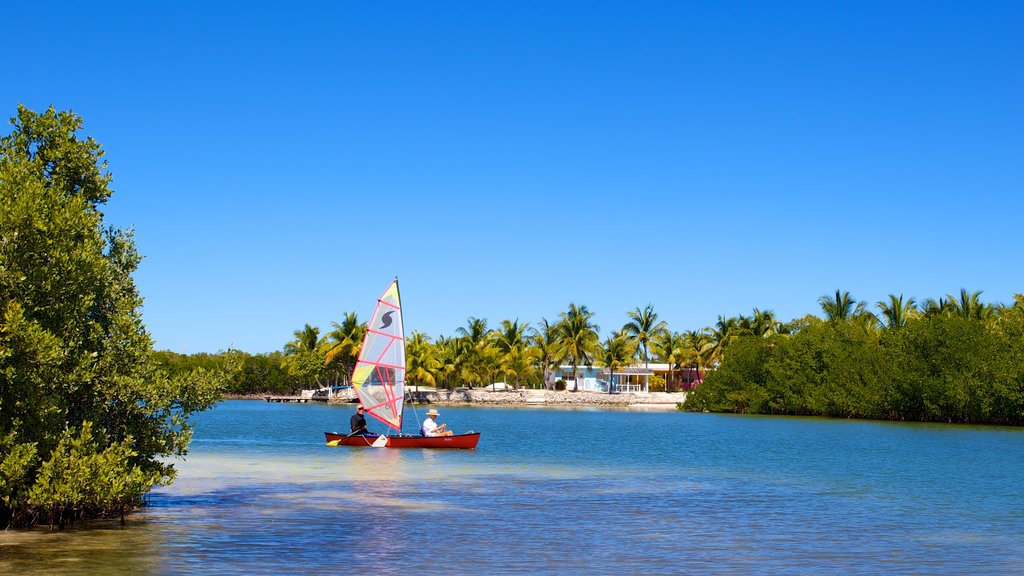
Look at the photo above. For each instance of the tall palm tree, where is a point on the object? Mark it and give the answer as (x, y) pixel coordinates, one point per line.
(578, 338)
(545, 343)
(615, 352)
(643, 326)
(341, 345)
(896, 312)
(842, 307)
(421, 363)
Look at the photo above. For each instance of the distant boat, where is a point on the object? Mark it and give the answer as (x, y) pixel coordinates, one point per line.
(379, 380)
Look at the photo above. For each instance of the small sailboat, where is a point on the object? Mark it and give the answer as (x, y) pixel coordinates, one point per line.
(379, 380)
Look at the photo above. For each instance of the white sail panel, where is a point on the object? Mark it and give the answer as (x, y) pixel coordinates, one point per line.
(379, 375)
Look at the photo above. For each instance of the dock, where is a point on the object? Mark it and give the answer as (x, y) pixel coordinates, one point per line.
(297, 399)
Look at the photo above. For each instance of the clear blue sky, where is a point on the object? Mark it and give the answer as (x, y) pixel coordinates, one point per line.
(281, 164)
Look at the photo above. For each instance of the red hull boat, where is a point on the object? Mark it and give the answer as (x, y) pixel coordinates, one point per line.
(463, 441)
(379, 380)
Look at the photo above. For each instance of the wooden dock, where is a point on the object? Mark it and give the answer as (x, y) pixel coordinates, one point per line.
(296, 399)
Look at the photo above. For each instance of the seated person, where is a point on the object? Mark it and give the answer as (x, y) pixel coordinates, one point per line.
(431, 428)
(358, 423)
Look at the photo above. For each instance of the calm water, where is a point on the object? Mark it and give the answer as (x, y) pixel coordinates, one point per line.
(556, 491)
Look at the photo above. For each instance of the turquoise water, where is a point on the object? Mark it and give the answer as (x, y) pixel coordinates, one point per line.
(567, 491)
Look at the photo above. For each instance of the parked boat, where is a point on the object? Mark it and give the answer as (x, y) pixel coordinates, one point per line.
(379, 381)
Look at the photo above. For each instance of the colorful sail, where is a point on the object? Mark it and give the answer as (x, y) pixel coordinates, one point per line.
(379, 376)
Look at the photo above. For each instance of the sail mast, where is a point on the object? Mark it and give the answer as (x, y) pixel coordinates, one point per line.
(401, 414)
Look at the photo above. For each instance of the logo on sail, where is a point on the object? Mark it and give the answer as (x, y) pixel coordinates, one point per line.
(385, 320)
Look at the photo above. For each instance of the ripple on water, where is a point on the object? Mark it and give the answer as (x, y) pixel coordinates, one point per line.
(550, 492)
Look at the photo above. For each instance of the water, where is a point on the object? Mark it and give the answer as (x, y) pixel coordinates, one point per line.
(566, 491)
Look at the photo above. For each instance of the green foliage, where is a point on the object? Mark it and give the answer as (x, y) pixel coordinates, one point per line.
(943, 368)
(84, 477)
(73, 348)
(17, 465)
(240, 373)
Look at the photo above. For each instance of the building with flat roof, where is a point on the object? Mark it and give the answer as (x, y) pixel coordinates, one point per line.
(632, 378)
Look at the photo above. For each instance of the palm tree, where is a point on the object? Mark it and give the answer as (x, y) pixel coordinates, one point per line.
(450, 354)
(545, 344)
(842, 307)
(301, 355)
(643, 326)
(578, 338)
(306, 339)
(421, 363)
(474, 331)
(668, 349)
(896, 312)
(341, 345)
(969, 306)
(941, 307)
(476, 354)
(616, 351)
(510, 340)
(519, 365)
(697, 351)
(764, 323)
(484, 363)
(511, 335)
(745, 325)
(725, 332)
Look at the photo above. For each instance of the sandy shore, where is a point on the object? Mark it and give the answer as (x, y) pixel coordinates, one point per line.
(487, 397)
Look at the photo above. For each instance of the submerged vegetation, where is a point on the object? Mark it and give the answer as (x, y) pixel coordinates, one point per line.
(87, 418)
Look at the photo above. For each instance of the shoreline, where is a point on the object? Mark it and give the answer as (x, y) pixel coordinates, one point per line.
(534, 398)
(545, 398)
(520, 398)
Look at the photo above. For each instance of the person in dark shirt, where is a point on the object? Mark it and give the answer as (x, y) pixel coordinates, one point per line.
(358, 422)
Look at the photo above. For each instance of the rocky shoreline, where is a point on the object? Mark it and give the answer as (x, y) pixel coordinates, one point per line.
(552, 398)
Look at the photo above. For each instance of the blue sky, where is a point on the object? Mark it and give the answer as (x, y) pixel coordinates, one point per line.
(281, 164)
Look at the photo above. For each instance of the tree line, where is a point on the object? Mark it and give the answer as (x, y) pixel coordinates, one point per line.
(955, 359)
(903, 361)
(515, 352)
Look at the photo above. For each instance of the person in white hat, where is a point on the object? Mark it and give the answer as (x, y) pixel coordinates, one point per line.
(432, 428)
